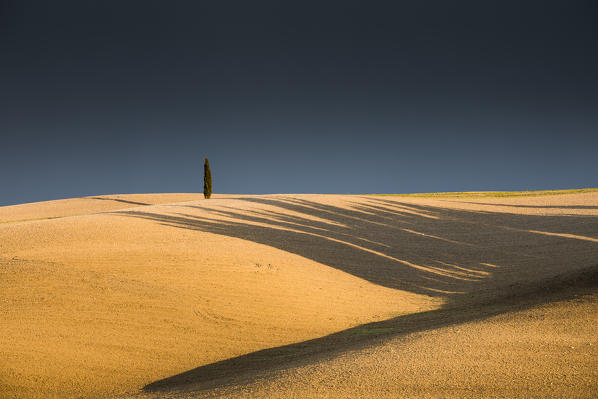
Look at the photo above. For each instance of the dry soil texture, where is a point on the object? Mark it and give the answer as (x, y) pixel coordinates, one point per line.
(171, 295)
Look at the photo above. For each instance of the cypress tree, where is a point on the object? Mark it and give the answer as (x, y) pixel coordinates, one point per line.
(207, 180)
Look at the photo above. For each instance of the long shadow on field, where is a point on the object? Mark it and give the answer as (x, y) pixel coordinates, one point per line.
(422, 249)
(119, 200)
(247, 368)
(465, 257)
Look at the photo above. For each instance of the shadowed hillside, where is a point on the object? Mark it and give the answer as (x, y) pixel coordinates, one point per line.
(480, 262)
(419, 248)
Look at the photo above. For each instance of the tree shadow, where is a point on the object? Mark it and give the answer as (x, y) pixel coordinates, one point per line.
(418, 248)
(252, 366)
(119, 200)
(465, 257)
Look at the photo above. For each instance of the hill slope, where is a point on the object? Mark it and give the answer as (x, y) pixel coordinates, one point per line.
(104, 297)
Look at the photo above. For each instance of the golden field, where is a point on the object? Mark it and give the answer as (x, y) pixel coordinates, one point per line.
(171, 295)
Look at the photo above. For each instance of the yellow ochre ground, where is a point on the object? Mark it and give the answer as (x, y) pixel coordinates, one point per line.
(172, 295)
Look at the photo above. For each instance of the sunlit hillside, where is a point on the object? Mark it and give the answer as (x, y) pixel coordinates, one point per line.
(282, 295)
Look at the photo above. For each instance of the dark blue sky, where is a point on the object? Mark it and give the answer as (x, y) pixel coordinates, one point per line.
(102, 97)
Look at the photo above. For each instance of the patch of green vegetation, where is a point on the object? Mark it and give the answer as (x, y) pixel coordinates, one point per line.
(371, 331)
(494, 194)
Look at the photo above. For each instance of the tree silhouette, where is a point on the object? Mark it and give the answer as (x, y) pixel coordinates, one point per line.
(207, 180)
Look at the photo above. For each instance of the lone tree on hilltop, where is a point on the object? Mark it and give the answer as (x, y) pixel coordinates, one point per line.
(207, 180)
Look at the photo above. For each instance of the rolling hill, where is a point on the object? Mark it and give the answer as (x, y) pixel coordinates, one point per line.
(300, 295)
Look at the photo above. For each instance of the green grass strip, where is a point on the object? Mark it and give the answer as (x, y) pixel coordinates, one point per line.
(494, 194)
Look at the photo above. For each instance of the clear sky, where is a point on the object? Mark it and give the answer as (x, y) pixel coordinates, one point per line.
(104, 97)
